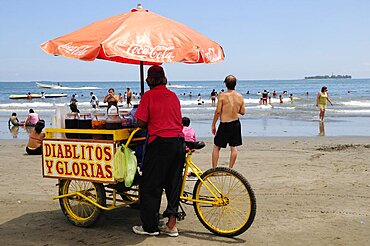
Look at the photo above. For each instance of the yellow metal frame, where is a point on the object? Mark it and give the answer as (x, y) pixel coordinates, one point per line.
(127, 134)
(189, 164)
(118, 135)
(113, 205)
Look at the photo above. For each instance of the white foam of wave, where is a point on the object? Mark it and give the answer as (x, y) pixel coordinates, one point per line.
(351, 111)
(273, 100)
(79, 88)
(184, 86)
(193, 102)
(198, 108)
(247, 101)
(268, 106)
(357, 103)
(30, 105)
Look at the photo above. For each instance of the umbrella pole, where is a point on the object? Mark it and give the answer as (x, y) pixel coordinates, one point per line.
(142, 77)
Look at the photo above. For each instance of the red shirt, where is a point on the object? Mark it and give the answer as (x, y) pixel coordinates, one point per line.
(160, 108)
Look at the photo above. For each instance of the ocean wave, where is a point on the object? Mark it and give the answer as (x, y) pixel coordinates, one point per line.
(30, 105)
(357, 103)
(351, 111)
(184, 86)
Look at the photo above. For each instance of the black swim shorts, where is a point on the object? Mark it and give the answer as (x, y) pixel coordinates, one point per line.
(228, 133)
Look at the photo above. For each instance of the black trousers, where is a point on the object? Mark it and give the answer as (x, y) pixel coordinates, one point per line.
(37, 151)
(162, 169)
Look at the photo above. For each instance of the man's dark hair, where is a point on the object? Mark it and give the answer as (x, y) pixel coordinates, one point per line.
(230, 82)
(31, 111)
(39, 126)
(14, 114)
(156, 76)
(185, 121)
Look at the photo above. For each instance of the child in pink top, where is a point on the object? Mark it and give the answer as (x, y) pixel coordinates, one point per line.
(187, 130)
(189, 137)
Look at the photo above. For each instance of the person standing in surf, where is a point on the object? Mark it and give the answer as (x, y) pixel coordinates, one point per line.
(321, 99)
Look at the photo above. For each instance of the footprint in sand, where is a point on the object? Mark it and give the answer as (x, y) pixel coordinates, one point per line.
(315, 156)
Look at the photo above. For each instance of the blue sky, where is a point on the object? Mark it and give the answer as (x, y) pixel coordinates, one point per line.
(276, 39)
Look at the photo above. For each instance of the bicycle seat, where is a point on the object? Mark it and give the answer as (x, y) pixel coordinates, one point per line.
(195, 145)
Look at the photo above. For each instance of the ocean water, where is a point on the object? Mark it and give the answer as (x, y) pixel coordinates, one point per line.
(350, 114)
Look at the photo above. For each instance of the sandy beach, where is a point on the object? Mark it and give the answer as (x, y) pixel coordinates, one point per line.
(310, 191)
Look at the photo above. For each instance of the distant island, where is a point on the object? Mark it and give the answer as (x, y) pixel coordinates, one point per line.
(329, 77)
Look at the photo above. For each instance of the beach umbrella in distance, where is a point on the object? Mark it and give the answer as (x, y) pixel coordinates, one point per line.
(136, 37)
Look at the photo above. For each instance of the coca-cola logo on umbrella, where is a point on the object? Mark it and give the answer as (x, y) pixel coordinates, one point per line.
(159, 53)
(74, 50)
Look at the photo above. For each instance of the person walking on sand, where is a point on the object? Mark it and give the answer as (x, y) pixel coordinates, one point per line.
(321, 99)
(229, 105)
(159, 111)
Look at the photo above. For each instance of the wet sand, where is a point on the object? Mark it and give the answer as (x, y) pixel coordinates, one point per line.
(309, 190)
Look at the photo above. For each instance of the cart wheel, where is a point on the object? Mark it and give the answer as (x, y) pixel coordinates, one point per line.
(236, 209)
(79, 211)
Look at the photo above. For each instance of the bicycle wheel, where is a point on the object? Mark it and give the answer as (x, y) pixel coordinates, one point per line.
(79, 211)
(236, 209)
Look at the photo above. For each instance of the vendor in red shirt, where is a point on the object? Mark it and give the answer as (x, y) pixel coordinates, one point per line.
(159, 111)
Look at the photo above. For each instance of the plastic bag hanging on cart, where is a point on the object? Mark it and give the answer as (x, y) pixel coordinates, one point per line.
(130, 165)
(118, 170)
(125, 165)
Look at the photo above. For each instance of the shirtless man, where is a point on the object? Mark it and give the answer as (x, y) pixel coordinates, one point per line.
(229, 105)
(111, 99)
(129, 97)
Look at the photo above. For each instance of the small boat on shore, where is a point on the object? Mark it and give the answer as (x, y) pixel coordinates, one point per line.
(25, 96)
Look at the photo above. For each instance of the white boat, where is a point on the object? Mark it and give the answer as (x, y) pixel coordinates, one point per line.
(25, 96)
(52, 86)
(48, 86)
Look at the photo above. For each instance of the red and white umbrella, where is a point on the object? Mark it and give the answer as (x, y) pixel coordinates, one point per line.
(137, 37)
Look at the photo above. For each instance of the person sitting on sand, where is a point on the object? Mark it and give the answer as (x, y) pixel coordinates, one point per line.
(34, 145)
(14, 120)
(32, 118)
